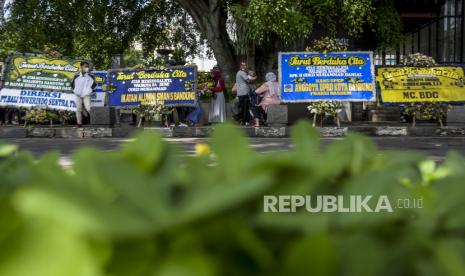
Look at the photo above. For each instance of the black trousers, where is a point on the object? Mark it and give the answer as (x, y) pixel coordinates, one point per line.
(244, 109)
(6, 115)
(182, 113)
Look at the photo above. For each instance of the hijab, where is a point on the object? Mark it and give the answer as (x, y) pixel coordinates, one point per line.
(216, 74)
(271, 79)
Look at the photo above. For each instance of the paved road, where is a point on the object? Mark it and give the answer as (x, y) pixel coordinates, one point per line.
(435, 147)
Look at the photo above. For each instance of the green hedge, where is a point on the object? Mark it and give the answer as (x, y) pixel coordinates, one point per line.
(148, 209)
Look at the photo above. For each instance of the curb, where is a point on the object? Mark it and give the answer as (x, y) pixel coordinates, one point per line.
(202, 132)
(13, 132)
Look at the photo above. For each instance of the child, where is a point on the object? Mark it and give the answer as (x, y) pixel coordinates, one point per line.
(196, 114)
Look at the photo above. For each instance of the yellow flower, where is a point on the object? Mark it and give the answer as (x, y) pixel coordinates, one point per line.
(202, 149)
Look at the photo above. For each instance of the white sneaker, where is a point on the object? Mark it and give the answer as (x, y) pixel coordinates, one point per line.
(183, 125)
(172, 125)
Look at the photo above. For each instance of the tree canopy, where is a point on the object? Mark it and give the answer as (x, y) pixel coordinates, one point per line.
(235, 30)
(98, 29)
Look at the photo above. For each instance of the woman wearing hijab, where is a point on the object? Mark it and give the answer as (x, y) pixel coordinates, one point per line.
(271, 92)
(217, 111)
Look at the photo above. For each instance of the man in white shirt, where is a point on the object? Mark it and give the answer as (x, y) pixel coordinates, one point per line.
(243, 89)
(83, 85)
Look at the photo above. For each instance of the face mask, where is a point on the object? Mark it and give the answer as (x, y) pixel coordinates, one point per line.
(86, 69)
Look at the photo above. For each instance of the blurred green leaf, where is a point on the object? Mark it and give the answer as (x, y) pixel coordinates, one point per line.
(7, 150)
(306, 140)
(450, 255)
(312, 255)
(147, 210)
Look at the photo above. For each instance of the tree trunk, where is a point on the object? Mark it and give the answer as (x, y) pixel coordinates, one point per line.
(2, 11)
(265, 58)
(210, 16)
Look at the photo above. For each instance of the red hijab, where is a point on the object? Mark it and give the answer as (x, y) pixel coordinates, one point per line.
(219, 82)
(216, 74)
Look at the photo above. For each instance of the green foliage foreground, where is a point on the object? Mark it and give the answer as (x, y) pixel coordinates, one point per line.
(148, 210)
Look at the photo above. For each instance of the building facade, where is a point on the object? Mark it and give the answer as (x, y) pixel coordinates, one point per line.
(434, 28)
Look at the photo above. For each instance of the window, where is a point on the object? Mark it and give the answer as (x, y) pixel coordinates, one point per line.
(442, 39)
(378, 58)
(390, 57)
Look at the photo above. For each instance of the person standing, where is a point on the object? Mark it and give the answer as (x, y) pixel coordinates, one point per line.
(83, 85)
(6, 116)
(243, 89)
(217, 112)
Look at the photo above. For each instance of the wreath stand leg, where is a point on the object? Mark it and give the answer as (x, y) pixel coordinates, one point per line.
(314, 120)
(414, 119)
(140, 121)
(338, 121)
